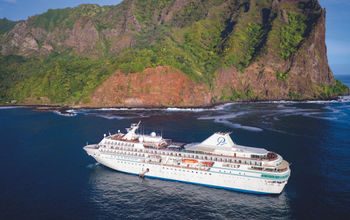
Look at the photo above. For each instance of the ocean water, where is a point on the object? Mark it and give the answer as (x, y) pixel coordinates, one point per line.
(45, 173)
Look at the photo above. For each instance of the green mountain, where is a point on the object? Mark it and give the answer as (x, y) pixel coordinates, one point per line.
(6, 25)
(168, 52)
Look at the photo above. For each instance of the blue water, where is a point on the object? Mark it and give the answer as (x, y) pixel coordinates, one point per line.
(45, 174)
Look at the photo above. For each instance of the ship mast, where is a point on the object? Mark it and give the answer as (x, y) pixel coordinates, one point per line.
(131, 131)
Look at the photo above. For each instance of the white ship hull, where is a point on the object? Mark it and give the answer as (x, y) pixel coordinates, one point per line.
(209, 178)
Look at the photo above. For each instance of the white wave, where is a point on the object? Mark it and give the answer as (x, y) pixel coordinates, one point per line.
(279, 102)
(224, 106)
(333, 110)
(93, 165)
(326, 118)
(110, 109)
(72, 111)
(170, 109)
(68, 114)
(238, 126)
(276, 118)
(9, 107)
(110, 116)
(343, 106)
(344, 98)
(341, 99)
(322, 101)
(188, 109)
(221, 117)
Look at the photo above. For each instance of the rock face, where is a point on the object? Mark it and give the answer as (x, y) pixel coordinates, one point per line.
(159, 86)
(306, 68)
(182, 52)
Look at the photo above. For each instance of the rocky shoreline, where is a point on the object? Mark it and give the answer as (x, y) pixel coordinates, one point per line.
(64, 110)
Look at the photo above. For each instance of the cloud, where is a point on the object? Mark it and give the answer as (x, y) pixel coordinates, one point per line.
(10, 1)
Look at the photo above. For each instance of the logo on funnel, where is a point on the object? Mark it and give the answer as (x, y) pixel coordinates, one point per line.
(221, 141)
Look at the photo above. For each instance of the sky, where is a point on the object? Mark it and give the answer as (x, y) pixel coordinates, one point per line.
(337, 23)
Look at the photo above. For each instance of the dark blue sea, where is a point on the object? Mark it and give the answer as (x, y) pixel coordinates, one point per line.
(46, 174)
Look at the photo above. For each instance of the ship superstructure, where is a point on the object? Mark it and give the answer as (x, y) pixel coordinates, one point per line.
(216, 162)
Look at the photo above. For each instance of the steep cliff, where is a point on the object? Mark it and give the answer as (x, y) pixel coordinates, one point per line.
(169, 53)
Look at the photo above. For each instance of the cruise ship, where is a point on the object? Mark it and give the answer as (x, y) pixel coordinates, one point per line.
(215, 162)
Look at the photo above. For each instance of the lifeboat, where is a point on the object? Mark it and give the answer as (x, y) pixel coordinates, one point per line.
(207, 163)
(189, 161)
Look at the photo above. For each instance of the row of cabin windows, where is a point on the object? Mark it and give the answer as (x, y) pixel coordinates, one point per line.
(126, 153)
(258, 156)
(120, 143)
(188, 171)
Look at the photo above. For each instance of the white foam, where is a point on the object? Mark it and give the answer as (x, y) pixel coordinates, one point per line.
(280, 102)
(68, 114)
(341, 99)
(221, 117)
(111, 117)
(322, 101)
(110, 109)
(93, 165)
(238, 126)
(187, 109)
(344, 98)
(9, 107)
(224, 106)
(169, 109)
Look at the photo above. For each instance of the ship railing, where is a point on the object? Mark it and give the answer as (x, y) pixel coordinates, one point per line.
(276, 170)
(182, 167)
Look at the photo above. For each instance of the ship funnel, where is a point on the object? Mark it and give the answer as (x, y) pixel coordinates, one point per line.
(131, 131)
(219, 140)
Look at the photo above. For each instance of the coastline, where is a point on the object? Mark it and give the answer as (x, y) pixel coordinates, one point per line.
(64, 109)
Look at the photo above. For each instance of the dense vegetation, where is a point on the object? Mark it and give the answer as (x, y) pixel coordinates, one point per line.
(6, 25)
(65, 18)
(60, 78)
(333, 90)
(292, 34)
